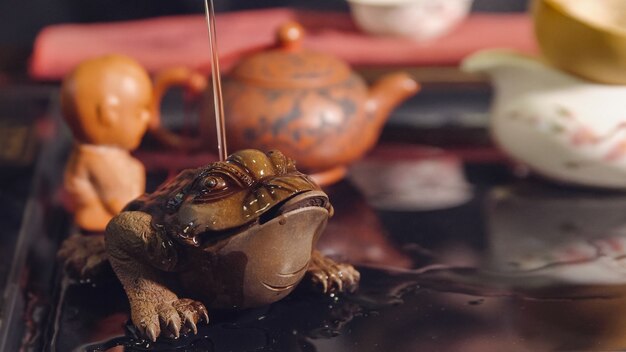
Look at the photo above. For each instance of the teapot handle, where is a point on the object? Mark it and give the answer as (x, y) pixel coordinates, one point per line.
(195, 83)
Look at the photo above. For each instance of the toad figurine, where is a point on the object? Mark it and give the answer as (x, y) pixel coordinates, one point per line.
(235, 234)
(107, 103)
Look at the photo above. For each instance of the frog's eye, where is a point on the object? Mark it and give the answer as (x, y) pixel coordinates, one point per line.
(215, 187)
(214, 183)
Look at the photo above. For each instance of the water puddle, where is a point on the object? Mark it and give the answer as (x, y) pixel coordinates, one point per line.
(399, 310)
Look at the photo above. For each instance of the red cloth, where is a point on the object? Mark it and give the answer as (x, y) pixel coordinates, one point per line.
(183, 40)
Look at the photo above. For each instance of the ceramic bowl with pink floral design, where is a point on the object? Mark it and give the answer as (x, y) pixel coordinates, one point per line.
(561, 126)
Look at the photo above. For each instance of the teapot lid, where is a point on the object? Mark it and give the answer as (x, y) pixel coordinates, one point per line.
(290, 65)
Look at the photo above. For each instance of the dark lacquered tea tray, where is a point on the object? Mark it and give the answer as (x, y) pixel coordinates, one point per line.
(458, 248)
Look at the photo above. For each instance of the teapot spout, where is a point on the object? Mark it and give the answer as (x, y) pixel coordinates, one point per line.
(386, 94)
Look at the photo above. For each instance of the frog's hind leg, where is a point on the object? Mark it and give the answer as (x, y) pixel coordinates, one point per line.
(143, 261)
(84, 256)
(331, 276)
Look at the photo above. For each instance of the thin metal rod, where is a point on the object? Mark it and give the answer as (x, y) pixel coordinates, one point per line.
(217, 81)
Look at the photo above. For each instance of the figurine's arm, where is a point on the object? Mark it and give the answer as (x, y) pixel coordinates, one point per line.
(117, 181)
(89, 212)
(140, 257)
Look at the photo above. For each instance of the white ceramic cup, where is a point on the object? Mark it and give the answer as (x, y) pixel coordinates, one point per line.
(421, 20)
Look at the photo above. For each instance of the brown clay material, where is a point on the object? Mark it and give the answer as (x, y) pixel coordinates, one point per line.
(84, 257)
(106, 102)
(308, 104)
(330, 176)
(332, 276)
(195, 83)
(238, 233)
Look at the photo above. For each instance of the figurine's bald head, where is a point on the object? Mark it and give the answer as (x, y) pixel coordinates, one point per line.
(108, 101)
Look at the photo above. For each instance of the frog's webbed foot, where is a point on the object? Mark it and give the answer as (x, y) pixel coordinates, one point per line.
(169, 318)
(331, 276)
(84, 257)
(143, 263)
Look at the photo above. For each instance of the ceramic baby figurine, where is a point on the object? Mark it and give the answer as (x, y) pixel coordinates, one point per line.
(235, 234)
(107, 103)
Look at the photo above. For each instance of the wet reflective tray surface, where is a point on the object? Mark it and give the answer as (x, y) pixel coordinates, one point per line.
(521, 266)
(456, 253)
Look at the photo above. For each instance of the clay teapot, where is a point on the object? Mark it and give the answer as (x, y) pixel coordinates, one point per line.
(308, 104)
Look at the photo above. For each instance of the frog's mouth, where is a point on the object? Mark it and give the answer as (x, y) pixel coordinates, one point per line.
(297, 202)
(279, 246)
(307, 199)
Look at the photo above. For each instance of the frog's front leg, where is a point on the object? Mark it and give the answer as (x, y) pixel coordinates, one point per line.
(142, 260)
(332, 276)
